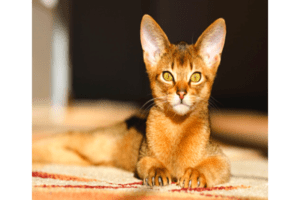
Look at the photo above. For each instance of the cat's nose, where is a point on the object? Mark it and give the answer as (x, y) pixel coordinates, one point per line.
(181, 93)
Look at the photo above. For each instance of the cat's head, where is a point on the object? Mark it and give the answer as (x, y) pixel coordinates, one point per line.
(181, 75)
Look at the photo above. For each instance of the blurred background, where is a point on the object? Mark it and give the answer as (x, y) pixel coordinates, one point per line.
(87, 55)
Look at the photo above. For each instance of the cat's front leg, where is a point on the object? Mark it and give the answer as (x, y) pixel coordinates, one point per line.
(211, 171)
(153, 172)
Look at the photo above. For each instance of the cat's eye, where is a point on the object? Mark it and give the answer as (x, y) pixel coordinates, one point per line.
(195, 77)
(167, 76)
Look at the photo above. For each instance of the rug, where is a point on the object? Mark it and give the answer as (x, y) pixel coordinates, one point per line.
(249, 180)
(249, 171)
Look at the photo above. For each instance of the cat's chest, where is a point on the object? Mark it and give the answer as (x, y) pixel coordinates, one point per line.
(177, 146)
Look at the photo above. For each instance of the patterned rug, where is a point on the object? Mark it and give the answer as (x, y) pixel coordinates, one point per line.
(249, 169)
(248, 181)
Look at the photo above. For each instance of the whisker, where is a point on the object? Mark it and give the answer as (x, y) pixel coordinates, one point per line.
(174, 115)
(146, 110)
(146, 103)
(214, 103)
(214, 99)
(150, 101)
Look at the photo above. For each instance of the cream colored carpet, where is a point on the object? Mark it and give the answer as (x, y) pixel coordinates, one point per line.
(249, 169)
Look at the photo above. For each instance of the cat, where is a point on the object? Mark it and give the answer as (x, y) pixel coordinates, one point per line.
(171, 143)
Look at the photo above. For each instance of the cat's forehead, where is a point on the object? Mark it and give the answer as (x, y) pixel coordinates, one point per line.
(183, 57)
(182, 53)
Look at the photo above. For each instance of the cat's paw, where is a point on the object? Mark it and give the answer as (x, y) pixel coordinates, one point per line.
(192, 178)
(158, 177)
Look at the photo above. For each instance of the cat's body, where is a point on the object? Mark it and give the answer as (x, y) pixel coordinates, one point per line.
(172, 142)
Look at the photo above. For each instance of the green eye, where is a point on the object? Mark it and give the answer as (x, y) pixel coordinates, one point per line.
(196, 77)
(168, 76)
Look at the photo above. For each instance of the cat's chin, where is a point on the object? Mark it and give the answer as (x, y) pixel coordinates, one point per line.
(181, 109)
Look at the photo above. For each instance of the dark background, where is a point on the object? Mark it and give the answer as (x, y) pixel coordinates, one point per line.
(107, 55)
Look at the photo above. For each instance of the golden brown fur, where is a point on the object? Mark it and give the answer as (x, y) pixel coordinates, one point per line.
(174, 144)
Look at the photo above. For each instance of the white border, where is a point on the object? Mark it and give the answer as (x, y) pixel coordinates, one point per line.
(16, 98)
(284, 100)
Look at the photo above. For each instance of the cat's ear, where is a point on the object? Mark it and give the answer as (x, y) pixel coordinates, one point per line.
(210, 44)
(154, 40)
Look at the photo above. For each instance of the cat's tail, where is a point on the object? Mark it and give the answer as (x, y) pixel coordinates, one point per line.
(117, 145)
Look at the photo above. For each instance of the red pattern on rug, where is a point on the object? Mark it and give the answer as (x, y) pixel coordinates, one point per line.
(61, 177)
(209, 188)
(128, 185)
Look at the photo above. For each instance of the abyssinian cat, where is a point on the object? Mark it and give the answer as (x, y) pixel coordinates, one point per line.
(172, 143)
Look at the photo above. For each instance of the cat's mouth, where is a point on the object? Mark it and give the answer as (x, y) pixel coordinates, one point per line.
(179, 104)
(181, 108)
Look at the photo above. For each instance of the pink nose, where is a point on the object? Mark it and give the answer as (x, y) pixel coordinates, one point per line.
(181, 94)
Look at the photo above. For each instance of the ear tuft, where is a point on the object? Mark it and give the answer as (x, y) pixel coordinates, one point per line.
(154, 40)
(210, 44)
